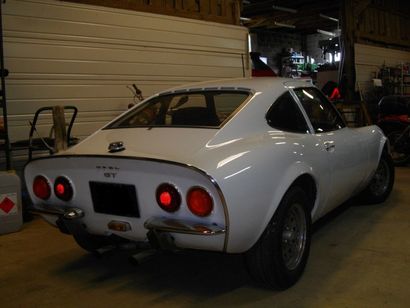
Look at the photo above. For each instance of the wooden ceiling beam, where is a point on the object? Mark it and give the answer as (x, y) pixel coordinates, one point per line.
(306, 20)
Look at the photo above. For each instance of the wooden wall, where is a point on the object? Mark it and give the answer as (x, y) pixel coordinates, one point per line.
(382, 37)
(223, 11)
(378, 23)
(383, 21)
(75, 54)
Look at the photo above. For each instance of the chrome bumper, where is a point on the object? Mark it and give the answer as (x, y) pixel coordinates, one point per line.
(45, 211)
(157, 224)
(69, 213)
(180, 226)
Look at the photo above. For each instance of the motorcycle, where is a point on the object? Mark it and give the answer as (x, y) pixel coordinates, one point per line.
(394, 120)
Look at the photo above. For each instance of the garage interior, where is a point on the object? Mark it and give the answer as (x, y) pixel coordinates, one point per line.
(88, 54)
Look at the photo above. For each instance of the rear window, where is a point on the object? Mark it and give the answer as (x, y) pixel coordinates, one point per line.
(193, 109)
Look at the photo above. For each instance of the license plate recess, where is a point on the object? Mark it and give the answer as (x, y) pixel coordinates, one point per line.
(114, 199)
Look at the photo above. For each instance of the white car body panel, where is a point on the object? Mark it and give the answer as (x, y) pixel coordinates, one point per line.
(246, 165)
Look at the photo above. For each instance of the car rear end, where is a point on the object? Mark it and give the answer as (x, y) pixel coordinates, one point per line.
(142, 200)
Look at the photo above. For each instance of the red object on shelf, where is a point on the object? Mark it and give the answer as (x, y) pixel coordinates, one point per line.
(335, 94)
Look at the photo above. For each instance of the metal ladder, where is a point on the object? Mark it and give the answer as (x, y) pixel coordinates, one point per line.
(4, 134)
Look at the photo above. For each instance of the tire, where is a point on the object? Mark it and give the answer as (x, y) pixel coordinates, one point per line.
(399, 159)
(381, 184)
(279, 257)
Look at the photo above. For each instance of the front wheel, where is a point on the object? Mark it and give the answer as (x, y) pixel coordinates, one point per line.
(279, 257)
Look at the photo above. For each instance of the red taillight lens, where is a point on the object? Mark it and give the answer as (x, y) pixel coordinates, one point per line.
(63, 189)
(41, 187)
(199, 202)
(168, 197)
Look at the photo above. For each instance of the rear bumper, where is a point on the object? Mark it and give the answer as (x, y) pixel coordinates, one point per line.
(158, 229)
(181, 226)
(46, 211)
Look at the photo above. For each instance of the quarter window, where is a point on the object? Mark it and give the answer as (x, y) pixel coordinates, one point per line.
(286, 115)
(320, 111)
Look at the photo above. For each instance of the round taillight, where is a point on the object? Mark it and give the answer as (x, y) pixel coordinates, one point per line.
(199, 202)
(41, 187)
(63, 189)
(168, 197)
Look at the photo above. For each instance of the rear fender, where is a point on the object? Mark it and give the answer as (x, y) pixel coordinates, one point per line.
(379, 143)
(294, 172)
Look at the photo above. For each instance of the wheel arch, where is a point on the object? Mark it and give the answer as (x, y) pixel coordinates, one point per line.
(381, 141)
(308, 183)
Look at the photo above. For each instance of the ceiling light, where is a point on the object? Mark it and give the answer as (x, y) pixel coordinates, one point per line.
(284, 9)
(326, 33)
(279, 24)
(329, 18)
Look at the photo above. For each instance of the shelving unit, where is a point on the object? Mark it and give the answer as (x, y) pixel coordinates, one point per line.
(4, 134)
(405, 79)
(395, 79)
(292, 64)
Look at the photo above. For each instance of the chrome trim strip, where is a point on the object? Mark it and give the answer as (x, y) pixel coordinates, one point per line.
(211, 179)
(182, 226)
(67, 213)
(46, 211)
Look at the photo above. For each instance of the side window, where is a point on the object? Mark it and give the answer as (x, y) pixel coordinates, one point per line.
(187, 101)
(226, 103)
(286, 115)
(321, 113)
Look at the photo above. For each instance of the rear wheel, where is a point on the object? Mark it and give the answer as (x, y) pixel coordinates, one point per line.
(381, 183)
(279, 257)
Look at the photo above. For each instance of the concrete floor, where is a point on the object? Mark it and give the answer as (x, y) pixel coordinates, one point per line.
(359, 258)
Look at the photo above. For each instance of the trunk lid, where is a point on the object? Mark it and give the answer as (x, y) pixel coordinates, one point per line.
(176, 144)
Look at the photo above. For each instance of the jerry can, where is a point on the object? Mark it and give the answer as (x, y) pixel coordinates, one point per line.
(11, 213)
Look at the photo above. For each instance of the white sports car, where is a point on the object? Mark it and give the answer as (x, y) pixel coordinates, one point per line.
(234, 166)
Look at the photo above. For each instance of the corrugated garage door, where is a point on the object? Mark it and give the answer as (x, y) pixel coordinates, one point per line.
(72, 54)
(369, 60)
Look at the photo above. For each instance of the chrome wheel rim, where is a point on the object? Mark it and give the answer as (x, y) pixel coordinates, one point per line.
(294, 236)
(381, 178)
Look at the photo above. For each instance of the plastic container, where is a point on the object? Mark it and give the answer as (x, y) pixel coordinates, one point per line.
(11, 213)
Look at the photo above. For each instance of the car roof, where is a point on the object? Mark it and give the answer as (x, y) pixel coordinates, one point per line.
(253, 84)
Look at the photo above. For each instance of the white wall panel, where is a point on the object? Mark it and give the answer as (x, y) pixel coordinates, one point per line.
(82, 55)
(369, 59)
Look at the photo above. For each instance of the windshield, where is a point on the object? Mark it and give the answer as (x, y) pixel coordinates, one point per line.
(192, 109)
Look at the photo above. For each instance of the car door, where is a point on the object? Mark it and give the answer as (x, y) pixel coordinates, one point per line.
(341, 146)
